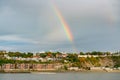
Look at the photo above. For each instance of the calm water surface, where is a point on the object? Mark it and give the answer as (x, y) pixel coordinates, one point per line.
(62, 76)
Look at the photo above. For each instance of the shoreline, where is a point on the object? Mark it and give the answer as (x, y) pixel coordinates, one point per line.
(56, 71)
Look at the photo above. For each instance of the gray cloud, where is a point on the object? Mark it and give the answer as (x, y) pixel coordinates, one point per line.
(35, 25)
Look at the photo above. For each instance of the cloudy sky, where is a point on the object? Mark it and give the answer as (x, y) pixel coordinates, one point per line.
(33, 25)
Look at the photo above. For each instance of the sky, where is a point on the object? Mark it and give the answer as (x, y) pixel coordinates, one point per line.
(34, 25)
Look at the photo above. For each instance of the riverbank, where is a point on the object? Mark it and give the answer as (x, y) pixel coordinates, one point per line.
(54, 71)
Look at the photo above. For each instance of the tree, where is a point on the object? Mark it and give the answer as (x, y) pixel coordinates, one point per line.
(107, 53)
(96, 53)
(81, 53)
(43, 55)
(72, 58)
(29, 54)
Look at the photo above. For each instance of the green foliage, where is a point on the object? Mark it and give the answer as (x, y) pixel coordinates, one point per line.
(116, 60)
(96, 53)
(29, 54)
(65, 67)
(93, 60)
(1, 54)
(5, 61)
(72, 58)
(82, 59)
(81, 53)
(43, 55)
(19, 54)
(77, 64)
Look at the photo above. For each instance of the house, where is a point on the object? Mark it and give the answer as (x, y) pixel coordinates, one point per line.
(85, 56)
(64, 55)
(73, 68)
(42, 59)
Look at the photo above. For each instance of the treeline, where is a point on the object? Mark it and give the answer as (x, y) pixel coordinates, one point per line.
(52, 54)
(19, 54)
(98, 53)
(30, 54)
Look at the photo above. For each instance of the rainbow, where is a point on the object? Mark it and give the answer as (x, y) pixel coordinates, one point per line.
(64, 23)
(65, 26)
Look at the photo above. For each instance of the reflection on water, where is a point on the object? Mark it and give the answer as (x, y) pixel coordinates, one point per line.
(61, 76)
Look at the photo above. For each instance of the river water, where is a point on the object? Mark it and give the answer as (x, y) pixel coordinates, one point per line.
(61, 76)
